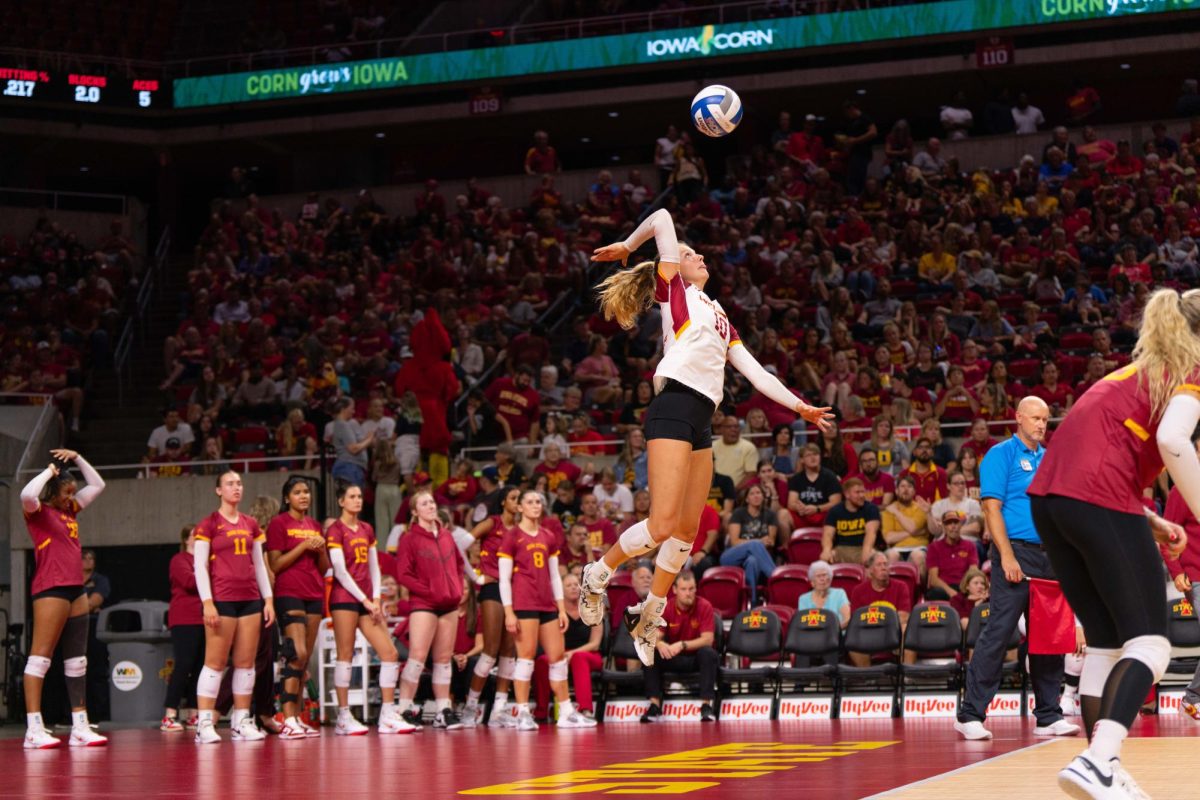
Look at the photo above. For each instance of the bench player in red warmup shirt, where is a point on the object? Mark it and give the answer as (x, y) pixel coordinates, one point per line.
(1087, 505)
(60, 606)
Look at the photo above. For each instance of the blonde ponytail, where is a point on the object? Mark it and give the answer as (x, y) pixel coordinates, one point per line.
(1168, 346)
(627, 293)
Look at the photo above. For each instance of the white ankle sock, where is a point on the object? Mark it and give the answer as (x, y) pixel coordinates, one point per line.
(501, 700)
(239, 714)
(442, 705)
(34, 721)
(79, 719)
(472, 697)
(1107, 738)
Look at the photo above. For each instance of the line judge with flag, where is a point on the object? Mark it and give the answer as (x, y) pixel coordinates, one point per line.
(1016, 554)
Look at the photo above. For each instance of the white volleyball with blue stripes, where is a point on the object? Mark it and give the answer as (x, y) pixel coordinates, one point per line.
(716, 110)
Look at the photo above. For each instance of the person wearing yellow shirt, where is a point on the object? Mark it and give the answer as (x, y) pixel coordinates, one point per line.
(937, 265)
(905, 525)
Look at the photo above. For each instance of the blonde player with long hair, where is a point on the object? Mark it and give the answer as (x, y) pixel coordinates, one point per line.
(698, 340)
(1103, 542)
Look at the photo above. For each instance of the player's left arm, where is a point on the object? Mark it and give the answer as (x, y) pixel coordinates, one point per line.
(1174, 441)
(772, 387)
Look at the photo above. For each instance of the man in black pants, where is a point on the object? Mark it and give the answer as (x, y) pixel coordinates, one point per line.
(686, 645)
(1017, 550)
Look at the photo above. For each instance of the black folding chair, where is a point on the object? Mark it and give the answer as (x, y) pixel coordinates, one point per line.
(934, 632)
(755, 635)
(810, 650)
(875, 631)
(1183, 629)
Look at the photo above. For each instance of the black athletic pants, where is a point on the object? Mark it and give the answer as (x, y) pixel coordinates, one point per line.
(188, 643)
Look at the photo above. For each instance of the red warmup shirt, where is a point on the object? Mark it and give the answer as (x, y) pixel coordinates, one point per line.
(489, 549)
(601, 533)
(894, 595)
(355, 544)
(1105, 451)
(1189, 563)
(520, 407)
(230, 565)
(185, 607)
(687, 624)
(951, 560)
(430, 566)
(303, 578)
(58, 559)
(562, 471)
(530, 554)
(877, 487)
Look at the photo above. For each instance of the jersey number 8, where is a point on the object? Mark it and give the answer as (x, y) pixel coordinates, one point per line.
(539, 560)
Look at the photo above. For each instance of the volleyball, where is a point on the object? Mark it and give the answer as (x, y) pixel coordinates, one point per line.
(716, 111)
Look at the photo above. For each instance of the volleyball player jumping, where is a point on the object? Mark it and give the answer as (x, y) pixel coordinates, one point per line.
(60, 605)
(698, 340)
(1087, 504)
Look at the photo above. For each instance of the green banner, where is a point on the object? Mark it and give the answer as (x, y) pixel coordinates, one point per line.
(711, 41)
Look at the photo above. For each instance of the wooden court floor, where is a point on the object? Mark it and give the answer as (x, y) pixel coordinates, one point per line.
(829, 760)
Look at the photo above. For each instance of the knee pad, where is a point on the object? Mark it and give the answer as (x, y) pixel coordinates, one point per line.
(1096, 667)
(636, 540)
(37, 666)
(389, 673)
(559, 670)
(673, 555)
(75, 667)
(483, 665)
(341, 674)
(209, 683)
(523, 671)
(1153, 651)
(442, 673)
(75, 636)
(412, 671)
(1072, 664)
(243, 680)
(508, 665)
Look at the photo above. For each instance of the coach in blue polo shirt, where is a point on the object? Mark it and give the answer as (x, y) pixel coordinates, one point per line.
(1016, 553)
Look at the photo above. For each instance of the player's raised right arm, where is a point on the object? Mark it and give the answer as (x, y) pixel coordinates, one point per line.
(661, 227)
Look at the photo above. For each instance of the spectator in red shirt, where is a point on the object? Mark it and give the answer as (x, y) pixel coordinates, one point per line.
(957, 403)
(879, 589)
(880, 486)
(555, 468)
(1124, 165)
(949, 557)
(928, 478)
(542, 158)
(517, 404)
(686, 645)
(1056, 395)
(805, 149)
(1132, 267)
(583, 439)
(601, 532)
(980, 440)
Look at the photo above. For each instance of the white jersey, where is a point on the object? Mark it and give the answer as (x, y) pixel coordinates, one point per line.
(697, 336)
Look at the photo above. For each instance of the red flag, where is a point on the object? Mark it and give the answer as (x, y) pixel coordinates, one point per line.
(1051, 621)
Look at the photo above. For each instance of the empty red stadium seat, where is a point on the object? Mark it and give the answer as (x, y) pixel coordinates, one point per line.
(847, 576)
(725, 588)
(804, 547)
(787, 583)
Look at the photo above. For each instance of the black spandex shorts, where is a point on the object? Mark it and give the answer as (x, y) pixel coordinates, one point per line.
(435, 611)
(285, 605)
(68, 593)
(1109, 567)
(680, 412)
(239, 608)
(541, 616)
(490, 591)
(357, 607)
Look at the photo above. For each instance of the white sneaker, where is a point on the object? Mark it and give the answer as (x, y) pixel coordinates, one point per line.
(348, 726)
(292, 729)
(591, 595)
(645, 634)
(390, 722)
(309, 730)
(575, 719)
(1069, 706)
(972, 730)
(83, 736)
(1086, 778)
(39, 739)
(524, 721)
(501, 718)
(447, 720)
(471, 716)
(1060, 728)
(170, 724)
(206, 732)
(247, 731)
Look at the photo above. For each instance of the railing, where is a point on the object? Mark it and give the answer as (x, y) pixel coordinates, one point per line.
(123, 351)
(65, 201)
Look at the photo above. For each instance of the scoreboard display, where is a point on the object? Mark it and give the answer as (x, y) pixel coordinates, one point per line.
(19, 85)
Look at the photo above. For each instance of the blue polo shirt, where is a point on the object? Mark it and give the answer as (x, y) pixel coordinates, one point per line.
(1005, 474)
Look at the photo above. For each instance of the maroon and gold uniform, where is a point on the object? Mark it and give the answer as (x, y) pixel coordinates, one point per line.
(230, 563)
(56, 552)
(356, 544)
(489, 547)
(303, 578)
(531, 554)
(1092, 459)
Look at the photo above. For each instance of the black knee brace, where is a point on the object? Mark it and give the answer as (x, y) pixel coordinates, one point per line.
(287, 672)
